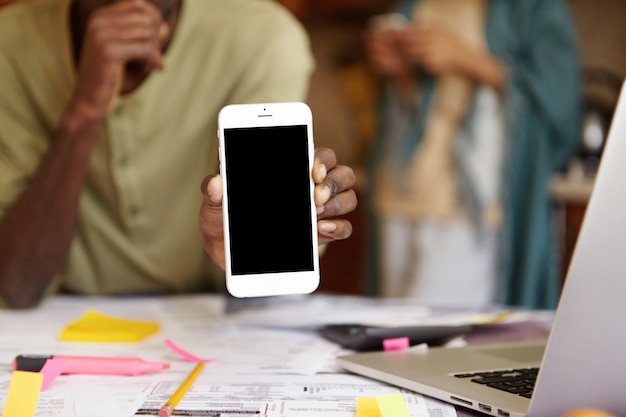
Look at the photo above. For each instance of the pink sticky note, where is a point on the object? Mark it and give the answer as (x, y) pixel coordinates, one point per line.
(184, 354)
(51, 369)
(397, 343)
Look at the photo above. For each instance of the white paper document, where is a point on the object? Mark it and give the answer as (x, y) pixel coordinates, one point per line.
(328, 395)
(258, 370)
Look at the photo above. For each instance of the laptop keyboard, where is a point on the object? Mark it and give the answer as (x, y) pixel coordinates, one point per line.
(515, 381)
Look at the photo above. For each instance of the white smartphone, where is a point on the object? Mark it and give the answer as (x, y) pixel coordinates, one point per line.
(270, 219)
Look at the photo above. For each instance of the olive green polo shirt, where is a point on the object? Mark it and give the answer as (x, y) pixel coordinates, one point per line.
(137, 228)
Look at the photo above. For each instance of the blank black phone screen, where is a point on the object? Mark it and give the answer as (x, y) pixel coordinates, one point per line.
(269, 199)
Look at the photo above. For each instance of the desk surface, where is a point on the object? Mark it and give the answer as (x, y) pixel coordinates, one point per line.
(269, 360)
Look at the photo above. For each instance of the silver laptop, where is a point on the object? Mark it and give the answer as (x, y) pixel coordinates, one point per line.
(583, 363)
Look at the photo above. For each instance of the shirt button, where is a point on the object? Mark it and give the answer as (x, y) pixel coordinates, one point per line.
(123, 161)
(118, 110)
(133, 211)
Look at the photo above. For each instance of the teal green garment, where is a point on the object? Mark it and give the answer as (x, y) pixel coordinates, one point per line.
(537, 42)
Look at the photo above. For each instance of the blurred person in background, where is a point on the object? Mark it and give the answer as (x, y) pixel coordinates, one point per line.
(480, 106)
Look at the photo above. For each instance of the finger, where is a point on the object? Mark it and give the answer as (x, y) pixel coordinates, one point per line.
(117, 88)
(339, 205)
(211, 218)
(135, 44)
(134, 23)
(124, 8)
(138, 25)
(164, 31)
(331, 230)
(137, 51)
(129, 22)
(336, 181)
(325, 160)
(212, 189)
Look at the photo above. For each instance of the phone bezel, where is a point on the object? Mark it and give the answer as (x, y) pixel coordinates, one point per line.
(268, 115)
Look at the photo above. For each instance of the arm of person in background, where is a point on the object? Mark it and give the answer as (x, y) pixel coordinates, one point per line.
(383, 53)
(37, 229)
(437, 50)
(334, 197)
(386, 58)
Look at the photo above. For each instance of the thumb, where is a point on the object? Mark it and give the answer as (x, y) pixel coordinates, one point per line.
(211, 220)
(117, 88)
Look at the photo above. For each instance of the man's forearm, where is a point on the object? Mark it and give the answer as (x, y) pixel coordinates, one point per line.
(36, 232)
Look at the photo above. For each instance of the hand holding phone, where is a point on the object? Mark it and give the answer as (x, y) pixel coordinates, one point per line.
(271, 246)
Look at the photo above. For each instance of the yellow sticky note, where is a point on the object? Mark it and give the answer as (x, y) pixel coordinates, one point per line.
(392, 405)
(97, 327)
(23, 394)
(367, 407)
